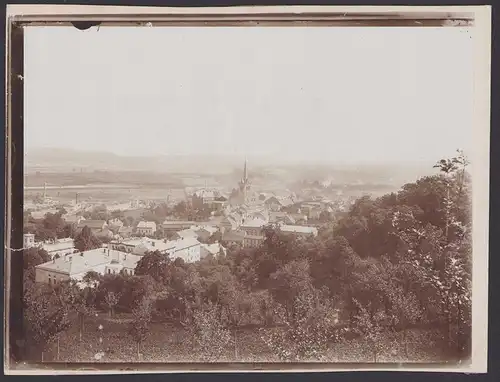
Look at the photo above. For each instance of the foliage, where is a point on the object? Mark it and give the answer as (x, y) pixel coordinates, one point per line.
(46, 313)
(86, 240)
(141, 318)
(210, 336)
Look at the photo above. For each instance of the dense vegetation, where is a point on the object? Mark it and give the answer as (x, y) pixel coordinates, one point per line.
(389, 268)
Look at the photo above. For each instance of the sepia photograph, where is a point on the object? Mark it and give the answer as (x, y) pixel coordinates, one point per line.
(278, 192)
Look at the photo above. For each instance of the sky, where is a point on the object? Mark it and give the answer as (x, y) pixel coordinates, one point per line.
(322, 94)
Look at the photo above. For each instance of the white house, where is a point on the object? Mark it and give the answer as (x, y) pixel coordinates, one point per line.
(299, 230)
(146, 228)
(212, 249)
(59, 247)
(75, 266)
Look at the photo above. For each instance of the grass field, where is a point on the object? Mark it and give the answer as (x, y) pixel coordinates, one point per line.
(166, 343)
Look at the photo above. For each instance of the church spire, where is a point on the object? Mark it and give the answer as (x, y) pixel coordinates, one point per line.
(245, 175)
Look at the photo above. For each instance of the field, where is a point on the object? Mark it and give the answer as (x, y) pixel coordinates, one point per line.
(169, 344)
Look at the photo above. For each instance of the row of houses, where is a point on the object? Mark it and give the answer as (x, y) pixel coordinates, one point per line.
(251, 233)
(120, 256)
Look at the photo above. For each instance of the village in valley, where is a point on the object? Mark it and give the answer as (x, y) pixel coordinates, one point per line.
(233, 219)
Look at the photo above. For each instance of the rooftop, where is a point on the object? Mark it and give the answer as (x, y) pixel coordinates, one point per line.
(144, 224)
(59, 245)
(85, 261)
(178, 222)
(214, 248)
(186, 233)
(233, 235)
(299, 229)
(254, 223)
(91, 223)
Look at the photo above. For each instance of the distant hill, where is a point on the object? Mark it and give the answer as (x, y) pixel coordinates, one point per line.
(64, 160)
(226, 168)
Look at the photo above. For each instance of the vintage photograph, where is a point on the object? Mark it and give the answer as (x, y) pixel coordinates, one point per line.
(265, 194)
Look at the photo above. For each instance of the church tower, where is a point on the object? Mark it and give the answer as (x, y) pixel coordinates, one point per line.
(244, 183)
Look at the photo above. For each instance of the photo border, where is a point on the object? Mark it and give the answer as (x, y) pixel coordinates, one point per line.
(81, 16)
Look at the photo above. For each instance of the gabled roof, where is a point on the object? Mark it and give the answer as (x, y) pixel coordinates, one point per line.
(178, 223)
(214, 248)
(92, 223)
(254, 223)
(233, 235)
(77, 264)
(144, 224)
(299, 229)
(187, 233)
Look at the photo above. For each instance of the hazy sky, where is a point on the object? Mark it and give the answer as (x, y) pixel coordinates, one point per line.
(339, 94)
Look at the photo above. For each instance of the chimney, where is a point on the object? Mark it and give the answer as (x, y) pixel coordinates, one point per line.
(153, 243)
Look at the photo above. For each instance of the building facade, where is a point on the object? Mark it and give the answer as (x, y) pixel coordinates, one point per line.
(146, 228)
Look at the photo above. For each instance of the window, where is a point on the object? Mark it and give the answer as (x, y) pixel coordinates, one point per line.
(109, 271)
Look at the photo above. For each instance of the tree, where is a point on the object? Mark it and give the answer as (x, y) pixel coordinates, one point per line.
(153, 264)
(371, 326)
(308, 331)
(181, 208)
(209, 335)
(111, 300)
(140, 324)
(86, 240)
(46, 314)
(81, 302)
(288, 282)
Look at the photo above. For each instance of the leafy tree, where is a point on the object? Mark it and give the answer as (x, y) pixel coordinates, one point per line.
(140, 324)
(371, 325)
(46, 315)
(86, 240)
(111, 300)
(209, 335)
(307, 332)
(153, 264)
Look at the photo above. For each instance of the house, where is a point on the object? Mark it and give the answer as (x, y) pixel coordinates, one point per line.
(185, 233)
(204, 232)
(40, 214)
(204, 197)
(228, 223)
(254, 235)
(302, 231)
(234, 237)
(28, 240)
(176, 225)
(273, 203)
(214, 249)
(125, 232)
(146, 228)
(59, 247)
(95, 226)
(299, 218)
(115, 225)
(73, 218)
(75, 266)
(281, 217)
(139, 245)
(188, 250)
(259, 214)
